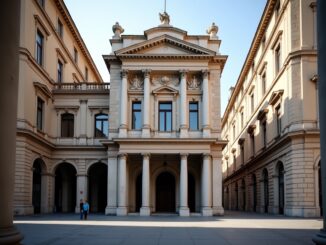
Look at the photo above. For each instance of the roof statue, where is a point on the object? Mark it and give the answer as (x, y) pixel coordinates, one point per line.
(117, 30)
(164, 18)
(212, 31)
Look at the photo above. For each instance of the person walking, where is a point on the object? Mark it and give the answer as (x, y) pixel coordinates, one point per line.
(81, 208)
(85, 209)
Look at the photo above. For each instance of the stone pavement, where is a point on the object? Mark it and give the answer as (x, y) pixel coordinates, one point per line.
(233, 228)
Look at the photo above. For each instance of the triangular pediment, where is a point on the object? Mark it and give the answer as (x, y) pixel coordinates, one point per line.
(165, 44)
(165, 90)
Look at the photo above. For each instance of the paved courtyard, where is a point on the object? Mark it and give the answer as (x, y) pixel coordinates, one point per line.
(233, 228)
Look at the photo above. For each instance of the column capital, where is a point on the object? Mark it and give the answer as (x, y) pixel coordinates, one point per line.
(122, 155)
(205, 73)
(184, 155)
(183, 73)
(147, 72)
(124, 73)
(146, 155)
(207, 155)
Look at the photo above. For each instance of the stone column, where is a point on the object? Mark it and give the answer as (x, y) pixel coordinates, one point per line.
(81, 190)
(9, 70)
(206, 186)
(146, 105)
(122, 185)
(112, 182)
(145, 209)
(183, 105)
(83, 122)
(217, 186)
(123, 104)
(184, 209)
(205, 105)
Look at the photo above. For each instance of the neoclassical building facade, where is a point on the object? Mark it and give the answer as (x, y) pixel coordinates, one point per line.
(148, 141)
(271, 163)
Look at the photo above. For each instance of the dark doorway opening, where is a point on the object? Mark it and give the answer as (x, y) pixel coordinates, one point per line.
(191, 193)
(139, 192)
(320, 190)
(165, 193)
(266, 190)
(281, 188)
(65, 188)
(97, 187)
(243, 188)
(236, 197)
(37, 185)
(254, 189)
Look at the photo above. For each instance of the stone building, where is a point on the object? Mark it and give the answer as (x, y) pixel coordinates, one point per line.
(272, 160)
(150, 141)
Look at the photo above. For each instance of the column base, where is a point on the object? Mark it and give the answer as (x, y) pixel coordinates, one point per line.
(10, 235)
(184, 211)
(206, 211)
(320, 237)
(122, 133)
(146, 133)
(110, 210)
(184, 133)
(145, 211)
(218, 211)
(206, 132)
(121, 211)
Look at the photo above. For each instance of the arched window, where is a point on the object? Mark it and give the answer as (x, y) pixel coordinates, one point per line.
(101, 125)
(67, 125)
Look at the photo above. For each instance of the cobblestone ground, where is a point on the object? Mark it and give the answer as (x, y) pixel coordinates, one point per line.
(232, 228)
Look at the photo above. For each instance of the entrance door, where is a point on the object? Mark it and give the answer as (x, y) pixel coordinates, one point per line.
(37, 185)
(139, 185)
(281, 188)
(97, 187)
(165, 193)
(191, 193)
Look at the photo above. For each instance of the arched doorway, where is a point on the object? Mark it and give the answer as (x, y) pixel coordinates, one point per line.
(139, 192)
(191, 193)
(65, 188)
(226, 202)
(281, 188)
(320, 190)
(254, 192)
(243, 188)
(37, 185)
(165, 193)
(97, 187)
(266, 190)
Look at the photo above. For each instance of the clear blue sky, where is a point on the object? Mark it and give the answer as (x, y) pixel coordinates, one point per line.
(237, 21)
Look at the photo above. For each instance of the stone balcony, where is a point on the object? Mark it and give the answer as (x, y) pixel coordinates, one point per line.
(68, 88)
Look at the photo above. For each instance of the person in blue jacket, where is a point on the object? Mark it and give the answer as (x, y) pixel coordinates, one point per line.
(85, 209)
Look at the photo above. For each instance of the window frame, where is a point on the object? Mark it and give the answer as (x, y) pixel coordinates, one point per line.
(104, 135)
(133, 111)
(86, 74)
(197, 115)
(59, 71)
(60, 28)
(75, 55)
(39, 47)
(39, 114)
(165, 111)
(277, 58)
(67, 124)
(278, 120)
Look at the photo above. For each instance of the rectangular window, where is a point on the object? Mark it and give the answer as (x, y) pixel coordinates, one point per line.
(101, 125)
(39, 114)
(60, 28)
(278, 120)
(241, 119)
(242, 154)
(263, 43)
(233, 131)
(263, 83)
(193, 115)
(234, 163)
(136, 115)
(86, 74)
(60, 71)
(264, 127)
(252, 138)
(252, 101)
(67, 125)
(75, 55)
(41, 2)
(165, 116)
(277, 59)
(39, 47)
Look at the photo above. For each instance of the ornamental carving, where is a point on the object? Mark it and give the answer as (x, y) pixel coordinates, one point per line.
(193, 83)
(165, 80)
(136, 83)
